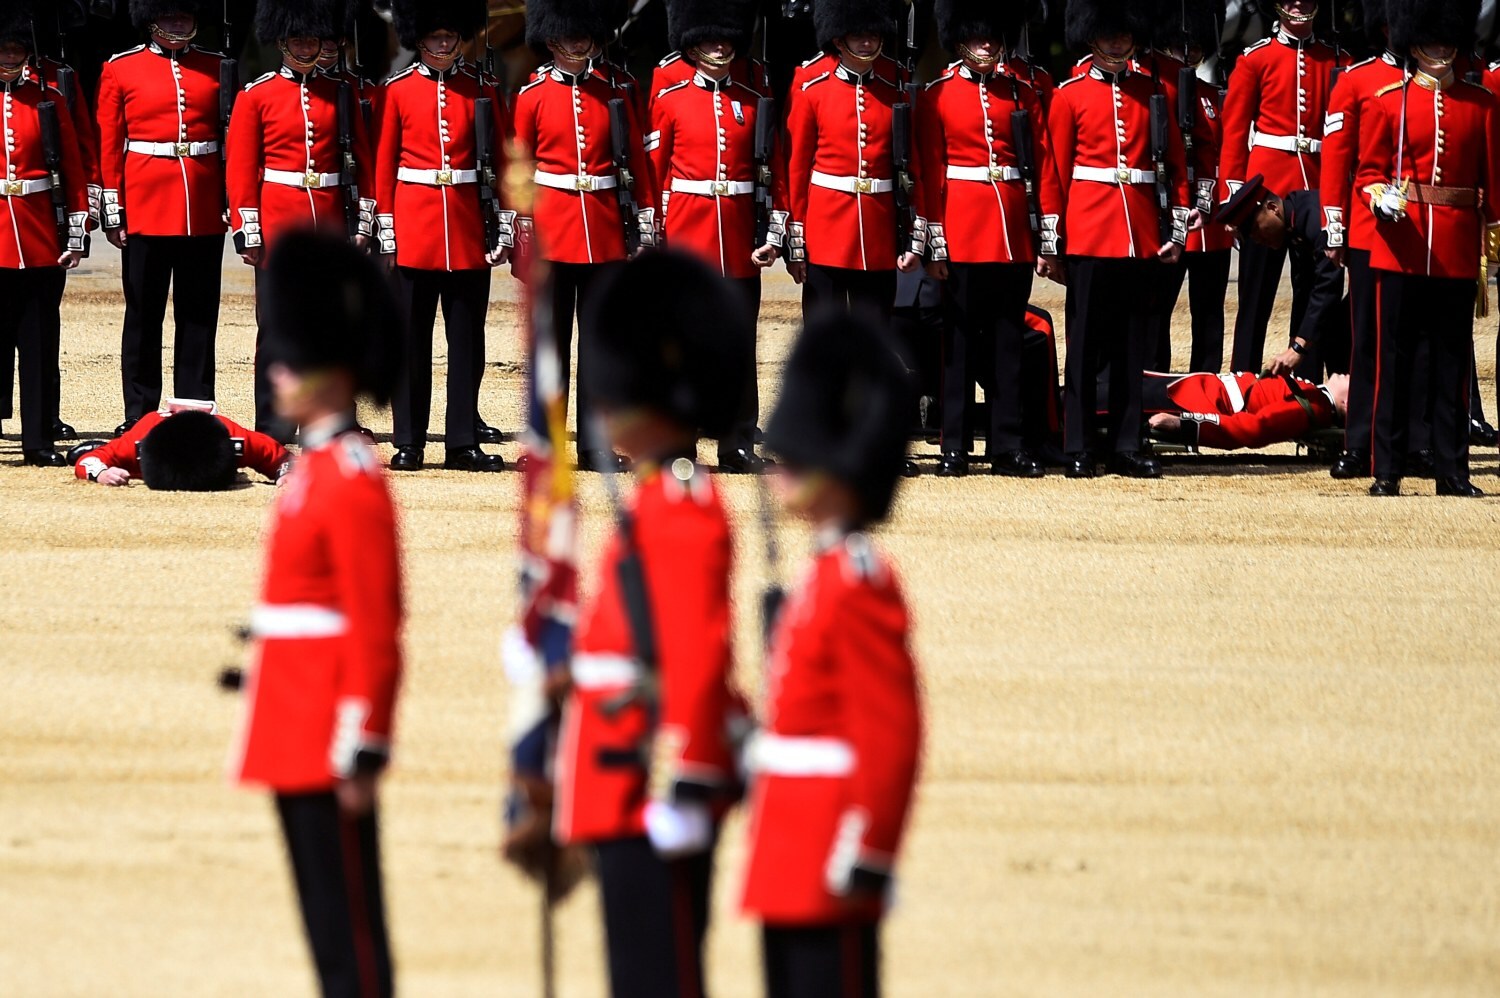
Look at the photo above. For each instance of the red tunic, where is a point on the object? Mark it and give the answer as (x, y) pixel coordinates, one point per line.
(702, 149)
(261, 453)
(288, 124)
(1341, 131)
(1451, 141)
(834, 769)
(85, 127)
(683, 538)
(426, 189)
(1208, 144)
(1246, 410)
(562, 122)
(971, 188)
(840, 173)
(1101, 125)
(326, 664)
(1278, 95)
(28, 221)
(169, 102)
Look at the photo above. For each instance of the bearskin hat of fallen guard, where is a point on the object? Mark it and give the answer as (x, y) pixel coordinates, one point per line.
(279, 19)
(16, 24)
(958, 20)
(837, 18)
(690, 23)
(416, 19)
(554, 20)
(845, 408)
(328, 307)
(1415, 23)
(1089, 20)
(665, 334)
(144, 12)
(188, 452)
(1189, 24)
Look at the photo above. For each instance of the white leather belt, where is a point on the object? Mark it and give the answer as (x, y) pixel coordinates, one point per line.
(576, 181)
(713, 188)
(297, 620)
(852, 185)
(21, 188)
(779, 755)
(604, 672)
(437, 178)
(174, 150)
(984, 174)
(291, 178)
(1287, 143)
(1105, 175)
(1236, 397)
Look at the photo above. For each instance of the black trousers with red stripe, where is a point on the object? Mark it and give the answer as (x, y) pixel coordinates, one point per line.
(984, 330)
(336, 865)
(1109, 308)
(833, 961)
(655, 918)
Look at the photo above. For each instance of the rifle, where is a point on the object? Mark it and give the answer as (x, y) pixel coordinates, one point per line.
(901, 143)
(619, 136)
(1025, 142)
(1187, 111)
(66, 82)
(489, 185)
(765, 152)
(346, 147)
(52, 156)
(1160, 123)
(229, 92)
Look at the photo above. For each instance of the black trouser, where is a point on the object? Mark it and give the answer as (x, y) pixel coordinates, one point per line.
(465, 297)
(655, 917)
(742, 434)
(1260, 278)
(836, 961)
(917, 322)
(871, 292)
(8, 377)
(1359, 425)
(984, 328)
(191, 267)
(266, 420)
(1207, 276)
(572, 284)
(1109, 308)
(1412, 309)
(336, 866)
(31, 324)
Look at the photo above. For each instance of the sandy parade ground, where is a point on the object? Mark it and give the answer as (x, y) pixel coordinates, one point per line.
(1232, 732)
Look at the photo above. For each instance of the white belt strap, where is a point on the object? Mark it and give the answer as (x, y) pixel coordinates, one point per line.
(175, 150)
(984, 174)
(291, 178)
(1236, 397)
(852, 185)
(597, 672)
(297, 620)
(1105, 175)
(779, 755)
(713, 188)
(1288, 143)
(21, 188)
(437, 178)
(576, 181)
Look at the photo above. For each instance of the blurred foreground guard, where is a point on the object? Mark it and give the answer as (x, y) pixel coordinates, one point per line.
(1429, 171)
(645, 767)
(161, 135)
(833, 771)
(198, 454)
(43, 218)
(321, 689)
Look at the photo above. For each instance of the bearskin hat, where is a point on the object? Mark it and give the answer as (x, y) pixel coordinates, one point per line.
(845, 408)
(71, 14)
(961, 19)
(692, 22)
(837, 18)
(666, 333)
(188, 452)
(278, 19)
(16, 24)
(415, 19)
(1189, 24)
(1428, 22)
(1371, 18)
(551, 20)
(1089, 20)
(326, 305)
(143, 12)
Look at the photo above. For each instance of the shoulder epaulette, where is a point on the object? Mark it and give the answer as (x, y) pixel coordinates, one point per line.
(948, 74)
(1494, 66)
(401, 75)
(1070, 81)
(882, 79)
(809, 64)
(1389, 88)
(356, 457)
(1362, 62)
(673, 57)
(121, 55)
(816, 79)
(1477, 86)
(676, 86)
(259, 80)
(861, 557)
(538, 81)
(1258, 45)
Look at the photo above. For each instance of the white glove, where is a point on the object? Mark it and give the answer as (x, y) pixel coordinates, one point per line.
(678, 830)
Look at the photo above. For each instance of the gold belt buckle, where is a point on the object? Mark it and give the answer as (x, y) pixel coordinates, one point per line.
(583, 182)
(1304, 145)
(444, 178)
(312, 180)
(181, 150)
(864, 185)
(721, 188)
(14, 188)
(997, 173)
(1123, 176)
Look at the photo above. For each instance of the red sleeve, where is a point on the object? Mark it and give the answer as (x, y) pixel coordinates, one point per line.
(523, 120)
(1266, 426)
(387, 154)
(801, 149)
(242, 171)
(111, 112)
(88, 142)
(120, 452)
(1062, 134)
(1239, 111)
(1340, 151)
(1049, 191)
(1377, 150)
(262, 453)
(645, 177)
(659, 145)
(1492, 166)
(75, 176)
(932, 155)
